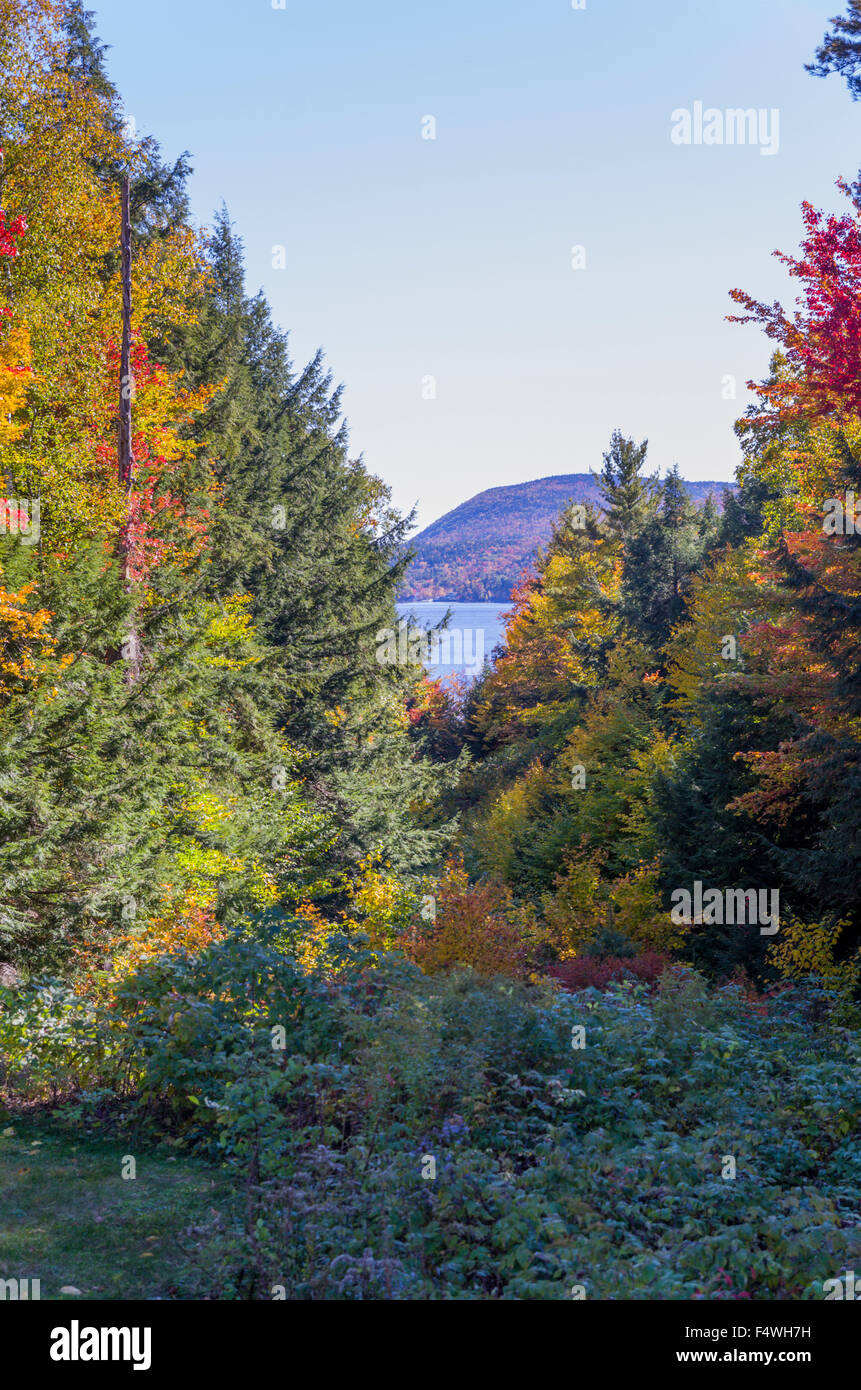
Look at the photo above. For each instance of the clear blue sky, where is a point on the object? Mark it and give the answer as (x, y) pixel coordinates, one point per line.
(408, 258)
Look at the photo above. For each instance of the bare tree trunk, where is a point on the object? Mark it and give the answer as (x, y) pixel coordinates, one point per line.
(125, 451)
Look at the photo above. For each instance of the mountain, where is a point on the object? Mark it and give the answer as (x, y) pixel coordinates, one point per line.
(479, 550)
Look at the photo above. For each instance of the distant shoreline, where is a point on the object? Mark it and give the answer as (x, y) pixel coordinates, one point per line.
(485, 547)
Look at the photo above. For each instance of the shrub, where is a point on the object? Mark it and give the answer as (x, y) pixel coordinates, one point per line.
(477, 924)
(599, 1165)
(586, 906)
(596, 972)
(806, 949)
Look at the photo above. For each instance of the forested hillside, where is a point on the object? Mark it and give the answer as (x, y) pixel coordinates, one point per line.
(545, 987)
(481, 549)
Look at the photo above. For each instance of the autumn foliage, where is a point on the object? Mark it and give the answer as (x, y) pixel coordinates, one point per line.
(821, 340)
(477, 924)
(596, 972)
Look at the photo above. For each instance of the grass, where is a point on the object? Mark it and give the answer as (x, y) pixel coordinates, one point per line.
(69, 1218)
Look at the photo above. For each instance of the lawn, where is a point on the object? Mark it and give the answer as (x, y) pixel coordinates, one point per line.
(70, 1219)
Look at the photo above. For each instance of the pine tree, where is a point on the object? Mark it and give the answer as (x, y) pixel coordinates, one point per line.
(840, 50)
(743, 515)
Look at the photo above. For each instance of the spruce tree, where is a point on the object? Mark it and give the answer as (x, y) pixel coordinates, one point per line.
(313, 538)
(159, 200)
(85, 59)
(102, 775)
(659, 562)
(629, 498)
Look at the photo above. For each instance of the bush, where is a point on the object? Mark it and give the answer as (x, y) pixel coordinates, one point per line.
(586, 907)
(477, 925)
(552, 1164)
(596, 972)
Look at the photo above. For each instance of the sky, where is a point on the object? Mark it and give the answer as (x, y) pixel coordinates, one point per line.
(484, 212)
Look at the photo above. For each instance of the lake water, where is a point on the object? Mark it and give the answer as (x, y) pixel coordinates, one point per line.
(473, 631)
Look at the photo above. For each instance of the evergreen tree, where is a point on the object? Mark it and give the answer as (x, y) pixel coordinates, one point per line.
(629, 498)
(659, 561)
(840, 50)
(743, 511)
(85, 60)
(701, 838)
(709, 521)
(312, 537)
(158, 194)
(121, 798)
